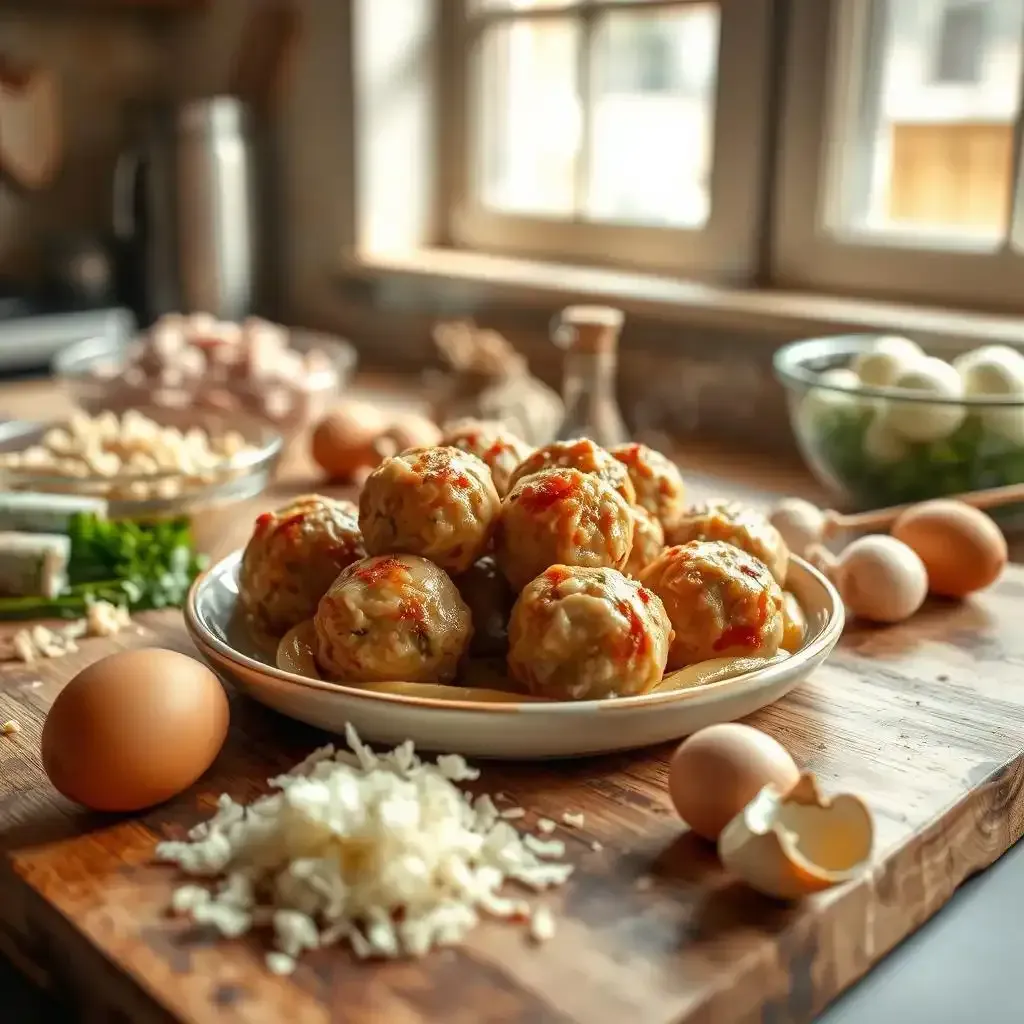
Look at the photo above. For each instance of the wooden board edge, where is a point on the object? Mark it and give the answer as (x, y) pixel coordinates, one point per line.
(790, 982)
(820, 956)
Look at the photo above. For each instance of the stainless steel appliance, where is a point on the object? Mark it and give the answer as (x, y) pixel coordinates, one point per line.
(185, 212)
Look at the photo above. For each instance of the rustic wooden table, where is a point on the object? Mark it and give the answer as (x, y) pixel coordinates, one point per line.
(923, 720)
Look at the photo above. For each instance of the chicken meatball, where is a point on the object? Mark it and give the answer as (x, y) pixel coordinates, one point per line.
(490, 441)
(293, 556)
(736, 524)
(489, 597)
(722, 602)
(561, 516)
(583, 455)
(794, 624)
(436, 502)
(648, 541)
(658, 485)
(587, 634)
(392, 618)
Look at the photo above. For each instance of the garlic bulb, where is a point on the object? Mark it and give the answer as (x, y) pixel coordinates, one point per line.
(801, 524)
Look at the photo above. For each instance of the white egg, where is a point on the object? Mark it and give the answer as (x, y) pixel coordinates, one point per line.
(926, 421)
(881, 579)
(991, 370)
(882, 444)
(887, 359)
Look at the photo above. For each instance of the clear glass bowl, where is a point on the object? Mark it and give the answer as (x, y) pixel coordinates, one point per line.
(150, 495)
(93, 374)
(843, 432)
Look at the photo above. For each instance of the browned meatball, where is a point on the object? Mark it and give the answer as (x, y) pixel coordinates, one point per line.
(293, 556)
(587, 634)
(736, 524)
(395, 618)
(489, 597)
(656, 480)
(648, 541)
(491, 442)
(561, 517)
(722, 602)
(583, 455)
(439, 503)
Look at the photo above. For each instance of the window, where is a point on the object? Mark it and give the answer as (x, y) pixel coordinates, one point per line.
(630, 131)
(959, 55)
(898, 171)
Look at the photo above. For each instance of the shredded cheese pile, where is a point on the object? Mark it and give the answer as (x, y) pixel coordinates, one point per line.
(102, 619)
(385, 852)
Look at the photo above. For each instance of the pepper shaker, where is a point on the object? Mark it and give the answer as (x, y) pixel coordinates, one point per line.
(590, 337)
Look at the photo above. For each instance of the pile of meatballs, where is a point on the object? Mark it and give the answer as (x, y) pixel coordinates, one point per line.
(582, 567)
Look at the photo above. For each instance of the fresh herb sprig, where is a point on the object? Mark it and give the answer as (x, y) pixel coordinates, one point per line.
(140, 565)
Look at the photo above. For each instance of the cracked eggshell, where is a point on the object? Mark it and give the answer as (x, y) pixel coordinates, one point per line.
(790, 845)
(925, 421)
(888, 358)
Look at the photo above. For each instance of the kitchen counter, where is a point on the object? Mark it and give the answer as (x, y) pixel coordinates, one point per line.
(976, 916)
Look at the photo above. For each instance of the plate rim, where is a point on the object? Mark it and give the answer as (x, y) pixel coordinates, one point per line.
(810, 655)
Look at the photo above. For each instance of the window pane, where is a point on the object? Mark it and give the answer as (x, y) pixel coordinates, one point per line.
(928, 148)
(653, 79)
(519, 5)
(529, 118)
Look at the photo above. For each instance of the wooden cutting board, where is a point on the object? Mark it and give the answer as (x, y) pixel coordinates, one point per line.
(924, 720)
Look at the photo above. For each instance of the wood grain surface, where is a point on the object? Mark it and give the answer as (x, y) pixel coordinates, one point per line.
(923, 720)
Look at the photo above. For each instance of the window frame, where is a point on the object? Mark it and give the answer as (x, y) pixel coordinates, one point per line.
(820, 90)
(728, 248)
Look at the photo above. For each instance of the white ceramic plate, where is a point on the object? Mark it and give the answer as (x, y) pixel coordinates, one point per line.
(512, 730)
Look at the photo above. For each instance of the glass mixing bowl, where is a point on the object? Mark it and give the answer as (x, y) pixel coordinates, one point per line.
(846, 435)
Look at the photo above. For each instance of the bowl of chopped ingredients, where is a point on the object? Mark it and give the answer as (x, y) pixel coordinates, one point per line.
(882, 420)
(142, 463)
(280, 376)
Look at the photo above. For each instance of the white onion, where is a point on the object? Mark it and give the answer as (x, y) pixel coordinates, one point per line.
(924, 421)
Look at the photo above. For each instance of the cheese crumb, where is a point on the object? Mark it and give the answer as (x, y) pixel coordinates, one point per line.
(542, 925)
(573, 820)
(101, 619)
(596, 846)
(385, 853)
(513, 813)
(10, 727)
(546, 826)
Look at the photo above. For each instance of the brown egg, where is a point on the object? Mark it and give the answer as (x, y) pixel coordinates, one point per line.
(409, 430)
(717, 771)
(962, 548)
(134, 729)
(343, 442)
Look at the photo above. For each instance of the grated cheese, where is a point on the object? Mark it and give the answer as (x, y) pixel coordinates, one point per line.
(102, 619)
(573, 820)
(546, 826)
(382, 851)
(542, 925)
(10, 727)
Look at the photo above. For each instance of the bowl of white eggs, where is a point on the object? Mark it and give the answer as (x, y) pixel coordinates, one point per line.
(882, 420)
